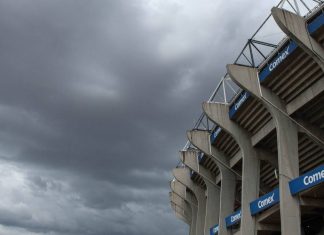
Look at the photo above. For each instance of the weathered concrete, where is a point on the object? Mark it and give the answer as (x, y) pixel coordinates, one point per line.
(309, 94)
(189, 158)
(182, 207)
(182, 203)
(294, 27)
(200, 139)
(251, 163)
(178, 214)
(183, 176)
(182, 218)
(181, 212)
(287, 142)
(181, 191)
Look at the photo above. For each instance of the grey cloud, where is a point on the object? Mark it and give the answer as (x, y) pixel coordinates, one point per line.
(95, 99)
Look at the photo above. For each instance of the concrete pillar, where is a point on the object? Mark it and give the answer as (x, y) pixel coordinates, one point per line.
(182, 203)
(295, 27)
(212, 206)
(180, 212)
(194, 215)
(200, 139)
(251, 164)
(189, 158)
(287, 142)
(181, 191)
(183, 176)
(182, 218)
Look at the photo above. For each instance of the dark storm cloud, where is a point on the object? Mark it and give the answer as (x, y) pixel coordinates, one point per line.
(95, 98)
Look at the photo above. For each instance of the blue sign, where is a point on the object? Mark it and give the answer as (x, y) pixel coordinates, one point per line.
(214, 135)
(314, 25)
(233, 219)
(214, 230)
(201, 157)
(264, 202)
(192, 173)
(308, 180)
(238, 103)
(276, 61)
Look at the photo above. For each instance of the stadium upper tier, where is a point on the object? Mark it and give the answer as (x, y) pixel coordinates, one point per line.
(254, 161)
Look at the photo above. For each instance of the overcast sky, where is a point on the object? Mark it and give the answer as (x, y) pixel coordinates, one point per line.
(95, 100)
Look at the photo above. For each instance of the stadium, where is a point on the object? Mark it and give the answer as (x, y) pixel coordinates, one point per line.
(254, 161)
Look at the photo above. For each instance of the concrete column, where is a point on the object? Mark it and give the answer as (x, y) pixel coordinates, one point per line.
(189, 158)
(251, 163)
(180, 212)
(183, 176)
(212, 206)
(295, 27)
(182, 218)
(287, 142)
(194, 216)
(182, 203)
(181, 191)
(200, 139)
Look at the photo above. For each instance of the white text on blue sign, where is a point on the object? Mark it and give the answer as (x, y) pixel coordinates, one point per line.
(214, 230)
(264, 202)
(215, 134)
(238, 103)
(233, 219)
(275, 62)
(308, 180)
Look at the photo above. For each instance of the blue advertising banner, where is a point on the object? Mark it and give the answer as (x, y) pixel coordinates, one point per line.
(276, 61)
(234, 218)
(214, 230)
(264, 202)
(192, 173)
(238, 103)
(214, 135)
(314, 25)
(200, 157)
(308, 180)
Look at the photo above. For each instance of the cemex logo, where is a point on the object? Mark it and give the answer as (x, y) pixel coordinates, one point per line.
(264, 202)
(234, 218)
(241, 100)
(238, 103)
(276, 61)
(280, 58)
(308, 180)
(215, 134)
(214, 230)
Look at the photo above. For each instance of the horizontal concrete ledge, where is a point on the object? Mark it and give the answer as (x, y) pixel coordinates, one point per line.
(266, 214)
(234, 160)
(263, 132)
(309, 94)
(311, 202)
(269, 227)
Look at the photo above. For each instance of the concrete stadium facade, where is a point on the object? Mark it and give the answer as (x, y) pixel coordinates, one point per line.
(260, 169)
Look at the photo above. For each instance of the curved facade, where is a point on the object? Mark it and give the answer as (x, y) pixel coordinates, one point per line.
(260, 168)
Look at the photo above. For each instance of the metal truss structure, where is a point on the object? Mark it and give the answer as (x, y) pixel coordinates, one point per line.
(255, 53)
